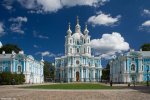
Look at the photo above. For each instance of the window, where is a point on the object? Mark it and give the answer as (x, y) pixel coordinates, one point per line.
(132, 67)
(142, 68)
(77, 62)
(70, 41)
(78, 42)
(70, 50)
(132, 59)
(77, 50)
(19, 69)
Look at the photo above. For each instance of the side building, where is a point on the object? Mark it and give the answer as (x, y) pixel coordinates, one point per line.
(134, 66)
(22, 63)
(78, 64)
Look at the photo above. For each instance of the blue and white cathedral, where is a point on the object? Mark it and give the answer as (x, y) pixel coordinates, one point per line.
(78, 65)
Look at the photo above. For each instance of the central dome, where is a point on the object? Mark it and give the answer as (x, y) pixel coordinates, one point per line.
(77, 35)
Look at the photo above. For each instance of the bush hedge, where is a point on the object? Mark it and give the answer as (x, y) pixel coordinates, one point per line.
(8, 78)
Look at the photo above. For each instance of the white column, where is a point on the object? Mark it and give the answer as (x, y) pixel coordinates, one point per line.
(87, 74)
(72, 74)
(93, 74)
(82, 74)
(24, 65)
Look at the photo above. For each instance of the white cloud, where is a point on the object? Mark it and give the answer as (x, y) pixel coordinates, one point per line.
(46, 53)
(19, 19)
(1, 44)
(8, 4)
(145, 26)
(104, 19)
(17, 24)
(55, 5)
(146, 23)
(37, 35)
(35, 46)
(109, 45)
(146, 12)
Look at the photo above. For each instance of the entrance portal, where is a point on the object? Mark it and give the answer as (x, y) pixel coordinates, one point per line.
(77, 76)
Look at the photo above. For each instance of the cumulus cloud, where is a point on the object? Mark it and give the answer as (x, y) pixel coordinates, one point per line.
(17, 24)
(146, 12)
(103, 19)
(146, 23)
(1, 44)
(145, 26)
(109, 45)
(46, 53)
(40, 6)
(1, 29)
(8, 4)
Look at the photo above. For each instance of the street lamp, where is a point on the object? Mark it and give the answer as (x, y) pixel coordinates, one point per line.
(147, 76)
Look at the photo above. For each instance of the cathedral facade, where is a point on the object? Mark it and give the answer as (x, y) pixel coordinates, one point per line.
(78, 65)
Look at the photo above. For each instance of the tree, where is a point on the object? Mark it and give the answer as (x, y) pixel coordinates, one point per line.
(48, 71)
(106, 72)
(8, 48)
(145, 47)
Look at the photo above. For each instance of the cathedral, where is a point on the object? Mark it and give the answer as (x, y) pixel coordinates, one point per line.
(78, 64)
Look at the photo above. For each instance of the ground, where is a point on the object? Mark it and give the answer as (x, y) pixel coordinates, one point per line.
(10, 92)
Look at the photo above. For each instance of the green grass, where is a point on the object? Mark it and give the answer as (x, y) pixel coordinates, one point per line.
(71, 86)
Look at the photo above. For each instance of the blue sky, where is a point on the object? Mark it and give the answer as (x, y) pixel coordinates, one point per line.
(39, 26)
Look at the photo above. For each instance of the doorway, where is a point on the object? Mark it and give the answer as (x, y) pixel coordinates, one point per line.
(77, 76)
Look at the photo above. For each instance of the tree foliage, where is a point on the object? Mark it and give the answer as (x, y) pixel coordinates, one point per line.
(48, 71)
(106, 72)
(8, 48)
(7, 77)
(145, 47)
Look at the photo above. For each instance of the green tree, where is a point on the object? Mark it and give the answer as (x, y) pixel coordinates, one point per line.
(106, 72)
(48, 71)
(145, 47)
(8, 48)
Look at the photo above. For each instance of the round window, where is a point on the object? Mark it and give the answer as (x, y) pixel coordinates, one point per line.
(77, 62)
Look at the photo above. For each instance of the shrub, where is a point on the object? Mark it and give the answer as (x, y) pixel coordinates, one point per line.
(7, 78)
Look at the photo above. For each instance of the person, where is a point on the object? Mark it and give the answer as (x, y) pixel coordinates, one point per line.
(13, 81)
(111, 83)
(134, 83)
(128, 84)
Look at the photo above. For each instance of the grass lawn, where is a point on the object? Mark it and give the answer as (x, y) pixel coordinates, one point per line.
(71, 86)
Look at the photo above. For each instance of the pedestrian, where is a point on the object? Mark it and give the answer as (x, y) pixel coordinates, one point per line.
(111, 83)
(134, 83)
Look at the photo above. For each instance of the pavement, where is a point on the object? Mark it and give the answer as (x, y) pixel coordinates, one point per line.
(14, 92)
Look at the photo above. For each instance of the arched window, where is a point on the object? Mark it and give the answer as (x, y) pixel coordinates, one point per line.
(77, 50)
(142, 68)
(88, 40)
(70, 41)
(19, 69)
(132, 67)
(77, 42)
(70, 50)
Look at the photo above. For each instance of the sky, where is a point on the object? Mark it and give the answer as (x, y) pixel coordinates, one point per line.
(39, 27)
